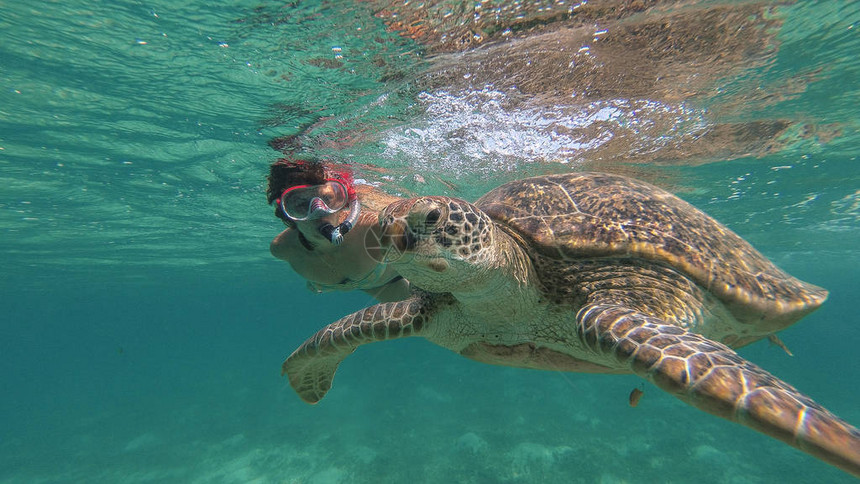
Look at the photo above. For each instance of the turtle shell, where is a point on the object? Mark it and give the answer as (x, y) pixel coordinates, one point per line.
(594, 215)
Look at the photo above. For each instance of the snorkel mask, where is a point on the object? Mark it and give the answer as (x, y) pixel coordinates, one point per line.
(312, 202)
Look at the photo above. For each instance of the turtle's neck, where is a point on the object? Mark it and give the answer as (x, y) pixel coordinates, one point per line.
(509, 284)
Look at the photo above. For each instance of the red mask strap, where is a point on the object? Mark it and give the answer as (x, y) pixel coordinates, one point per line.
(344, 175)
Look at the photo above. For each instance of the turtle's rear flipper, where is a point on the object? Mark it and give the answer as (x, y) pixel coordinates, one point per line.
(311, 367)
(713, 378)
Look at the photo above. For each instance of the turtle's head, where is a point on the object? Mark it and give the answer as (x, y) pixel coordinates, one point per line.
(440, 244)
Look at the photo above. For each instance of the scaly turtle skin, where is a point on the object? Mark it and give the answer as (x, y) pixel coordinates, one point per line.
(592, 273)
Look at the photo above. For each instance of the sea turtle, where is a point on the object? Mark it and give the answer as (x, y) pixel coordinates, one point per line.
(591, 272)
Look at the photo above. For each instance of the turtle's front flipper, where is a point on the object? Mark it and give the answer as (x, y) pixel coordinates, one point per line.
(311, 367)
(713, 378)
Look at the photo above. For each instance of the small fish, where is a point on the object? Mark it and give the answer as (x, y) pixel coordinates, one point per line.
(451, 186)
(635, 395)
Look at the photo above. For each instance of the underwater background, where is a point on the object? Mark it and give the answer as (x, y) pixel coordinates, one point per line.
(143, 321)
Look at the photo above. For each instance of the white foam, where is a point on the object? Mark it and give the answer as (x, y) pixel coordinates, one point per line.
(483, 130)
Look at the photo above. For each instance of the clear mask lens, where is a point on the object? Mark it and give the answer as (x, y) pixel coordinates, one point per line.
(308, 202)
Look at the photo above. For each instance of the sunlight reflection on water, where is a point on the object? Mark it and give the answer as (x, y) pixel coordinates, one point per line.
(483, 128)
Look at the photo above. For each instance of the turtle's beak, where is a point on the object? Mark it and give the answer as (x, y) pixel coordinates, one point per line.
(406, 224)
(396, 235)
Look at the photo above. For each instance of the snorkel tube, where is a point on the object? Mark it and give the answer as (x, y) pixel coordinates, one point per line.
(335, 234)
(330, 232)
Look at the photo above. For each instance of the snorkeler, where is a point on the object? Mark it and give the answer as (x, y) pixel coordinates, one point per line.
(329, 238)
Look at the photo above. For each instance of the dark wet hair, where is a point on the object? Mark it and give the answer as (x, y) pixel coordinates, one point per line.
(286, 173)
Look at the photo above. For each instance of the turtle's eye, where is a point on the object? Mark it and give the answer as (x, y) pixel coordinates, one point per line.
(433, 216)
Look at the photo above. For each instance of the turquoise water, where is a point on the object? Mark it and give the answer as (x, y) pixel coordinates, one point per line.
(144, 321)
